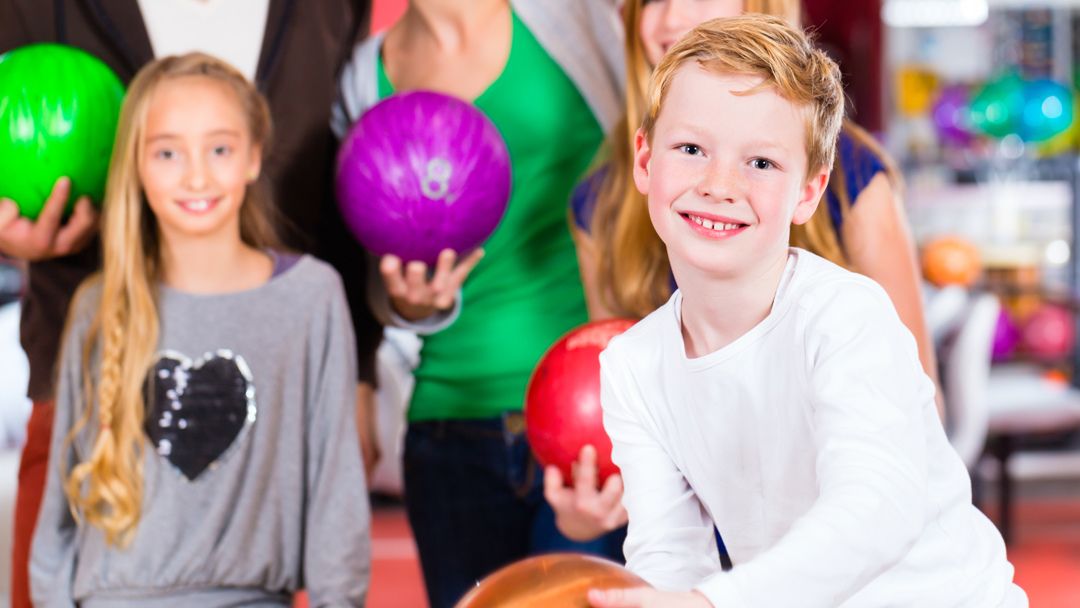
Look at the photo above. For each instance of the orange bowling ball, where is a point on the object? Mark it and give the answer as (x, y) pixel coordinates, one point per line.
(557, 580)
(951, 261)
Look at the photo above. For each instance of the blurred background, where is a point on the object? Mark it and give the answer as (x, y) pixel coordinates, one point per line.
(977, 100)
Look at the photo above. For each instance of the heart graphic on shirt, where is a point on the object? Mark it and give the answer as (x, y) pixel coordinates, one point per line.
(196, 410)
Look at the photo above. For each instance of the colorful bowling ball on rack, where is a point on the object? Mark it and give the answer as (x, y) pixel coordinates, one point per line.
(1006, 337)
(1049, 333)
(951, 261)
(421, 172)
(562, 404)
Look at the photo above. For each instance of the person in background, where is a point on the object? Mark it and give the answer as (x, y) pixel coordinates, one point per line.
(292, 51)
(547, 74)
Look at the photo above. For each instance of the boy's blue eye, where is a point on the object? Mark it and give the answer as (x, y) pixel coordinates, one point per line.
(690, 149)
(762, 163)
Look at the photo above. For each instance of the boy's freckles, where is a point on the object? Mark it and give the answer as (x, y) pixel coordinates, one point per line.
(725, 170)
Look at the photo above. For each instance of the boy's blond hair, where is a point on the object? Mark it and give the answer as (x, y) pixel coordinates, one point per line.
(785, 59)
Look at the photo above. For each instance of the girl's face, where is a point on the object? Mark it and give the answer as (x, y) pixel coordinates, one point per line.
(197, 158)
(663, 22)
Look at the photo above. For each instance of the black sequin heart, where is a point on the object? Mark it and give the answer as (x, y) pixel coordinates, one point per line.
(197, 409)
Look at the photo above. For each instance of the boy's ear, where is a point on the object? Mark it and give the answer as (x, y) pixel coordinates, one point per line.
(810, 196)
(642, 156)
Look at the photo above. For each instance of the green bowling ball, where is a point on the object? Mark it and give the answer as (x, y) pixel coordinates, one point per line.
(58, 112)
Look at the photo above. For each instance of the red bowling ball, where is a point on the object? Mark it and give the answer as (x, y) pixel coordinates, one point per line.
(562, 405)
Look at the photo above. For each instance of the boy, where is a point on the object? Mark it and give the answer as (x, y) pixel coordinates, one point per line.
(775, 395)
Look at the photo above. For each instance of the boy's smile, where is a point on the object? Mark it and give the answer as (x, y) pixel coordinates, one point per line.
(713, 226)
(725, 172)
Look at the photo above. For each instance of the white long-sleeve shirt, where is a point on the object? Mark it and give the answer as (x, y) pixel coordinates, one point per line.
(813, 444)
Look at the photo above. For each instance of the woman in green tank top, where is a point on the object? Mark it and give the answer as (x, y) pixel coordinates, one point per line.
(472, 490)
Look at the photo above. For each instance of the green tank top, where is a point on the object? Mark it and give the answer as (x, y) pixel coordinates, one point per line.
(526, 292)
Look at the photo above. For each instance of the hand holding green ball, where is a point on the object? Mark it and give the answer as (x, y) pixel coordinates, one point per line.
(58, 112)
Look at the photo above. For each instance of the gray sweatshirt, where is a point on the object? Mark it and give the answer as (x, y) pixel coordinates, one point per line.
(253, 480)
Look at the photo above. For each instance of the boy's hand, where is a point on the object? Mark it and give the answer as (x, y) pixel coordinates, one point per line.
(583, 513)
(46, 238)
(413, 296)
(646, 597)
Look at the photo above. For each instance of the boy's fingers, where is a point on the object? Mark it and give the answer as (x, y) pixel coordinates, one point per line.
(587, 456)
(611, 494)
(618, 517)
(553, 486)
(585, 471)
(617, 598)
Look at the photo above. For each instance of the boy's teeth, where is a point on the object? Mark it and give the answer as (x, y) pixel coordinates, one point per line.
(711, 225)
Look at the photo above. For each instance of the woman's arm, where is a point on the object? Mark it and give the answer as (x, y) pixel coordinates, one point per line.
(879, 244)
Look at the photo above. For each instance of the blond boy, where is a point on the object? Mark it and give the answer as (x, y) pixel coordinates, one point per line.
(776, 395)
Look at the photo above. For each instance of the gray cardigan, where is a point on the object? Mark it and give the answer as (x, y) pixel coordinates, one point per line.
(253, 481)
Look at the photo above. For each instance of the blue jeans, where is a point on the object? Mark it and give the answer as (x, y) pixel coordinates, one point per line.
(474, 497)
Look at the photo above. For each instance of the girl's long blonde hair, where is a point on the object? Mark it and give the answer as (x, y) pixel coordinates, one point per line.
(633, 271)
(105, 488)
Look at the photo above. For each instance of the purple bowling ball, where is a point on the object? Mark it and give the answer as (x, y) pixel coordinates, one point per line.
(421, 172)
(950, 114)
(1006, 337)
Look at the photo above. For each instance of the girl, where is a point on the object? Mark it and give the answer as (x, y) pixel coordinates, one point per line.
(546, 72)
(204, 448)
(861, 225)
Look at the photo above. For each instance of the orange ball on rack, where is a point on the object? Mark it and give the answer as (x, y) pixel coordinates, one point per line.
(951, 261)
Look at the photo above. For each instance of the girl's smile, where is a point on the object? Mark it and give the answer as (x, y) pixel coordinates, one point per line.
(198, 205)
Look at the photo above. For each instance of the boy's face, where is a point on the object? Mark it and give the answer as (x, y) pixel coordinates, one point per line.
(725, 174)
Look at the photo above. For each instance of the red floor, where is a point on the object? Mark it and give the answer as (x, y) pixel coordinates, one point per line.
(1046, 553)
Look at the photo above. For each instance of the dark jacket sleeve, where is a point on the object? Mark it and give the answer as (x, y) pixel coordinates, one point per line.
(346, 255)
(13, 31)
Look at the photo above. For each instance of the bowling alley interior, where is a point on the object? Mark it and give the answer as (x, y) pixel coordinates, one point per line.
(977, 105)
